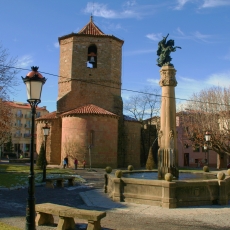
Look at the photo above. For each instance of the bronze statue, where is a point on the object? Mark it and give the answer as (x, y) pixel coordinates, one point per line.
(164, 50)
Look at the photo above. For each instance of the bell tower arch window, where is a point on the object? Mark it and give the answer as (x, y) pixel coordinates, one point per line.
(92, 57)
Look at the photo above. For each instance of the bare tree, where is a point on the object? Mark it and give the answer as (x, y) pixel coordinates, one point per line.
(73, 150)
(7, 74)
(143, 107)
(209, 111)
(5, 122)
(7, 84)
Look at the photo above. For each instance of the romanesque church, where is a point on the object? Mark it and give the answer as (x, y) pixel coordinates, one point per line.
(89, 123)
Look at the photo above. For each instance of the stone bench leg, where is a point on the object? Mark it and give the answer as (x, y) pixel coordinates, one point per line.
(44, 219)
(49, 184)
(60, 183)
(94, 225)
(70, 182)
(66, 223)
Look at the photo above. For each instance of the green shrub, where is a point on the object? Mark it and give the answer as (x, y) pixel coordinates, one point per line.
(41, 157)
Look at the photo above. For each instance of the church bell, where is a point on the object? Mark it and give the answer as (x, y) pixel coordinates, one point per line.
(91, 60)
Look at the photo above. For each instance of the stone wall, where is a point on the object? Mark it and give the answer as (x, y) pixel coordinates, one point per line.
(53, 144)
(133, 143)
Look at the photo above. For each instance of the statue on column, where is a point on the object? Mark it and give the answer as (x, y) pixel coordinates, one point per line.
(164, 50)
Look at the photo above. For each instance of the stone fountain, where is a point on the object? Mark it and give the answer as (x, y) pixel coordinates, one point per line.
(167, 191)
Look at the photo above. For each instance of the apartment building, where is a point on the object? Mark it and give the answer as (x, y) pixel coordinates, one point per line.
(21, 127)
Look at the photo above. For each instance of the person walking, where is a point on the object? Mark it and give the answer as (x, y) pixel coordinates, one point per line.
(75, 163)
(64, 163)
(83, 164)
(66, 160)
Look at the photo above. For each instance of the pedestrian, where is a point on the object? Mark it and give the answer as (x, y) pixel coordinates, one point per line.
(75, 163)
(83, 164)
(64, 162)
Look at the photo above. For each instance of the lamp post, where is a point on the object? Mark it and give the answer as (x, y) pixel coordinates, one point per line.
(34, 82)
(90, 146)
(206, 146)
(46, 130)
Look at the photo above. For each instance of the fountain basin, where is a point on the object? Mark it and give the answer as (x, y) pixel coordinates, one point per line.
(178, 193)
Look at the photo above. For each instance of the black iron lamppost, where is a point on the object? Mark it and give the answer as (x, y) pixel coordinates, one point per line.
(34, 82)
(206, 146)
(46, 130)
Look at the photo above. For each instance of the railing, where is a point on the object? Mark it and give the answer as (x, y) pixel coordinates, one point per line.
(17, 134)
(18, 115)
(27, 115)
(18, 125)
(27, 135)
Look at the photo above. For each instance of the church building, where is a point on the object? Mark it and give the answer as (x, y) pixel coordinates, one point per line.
(89, 123)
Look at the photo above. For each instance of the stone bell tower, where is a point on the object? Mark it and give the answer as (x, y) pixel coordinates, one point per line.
(167, 136)
(90, 70)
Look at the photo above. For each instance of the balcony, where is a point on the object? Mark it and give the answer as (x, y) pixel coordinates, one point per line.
(17, 135)
(18, 125)
(27, 126)
(27, 135)
(19, 115)
(27, 116)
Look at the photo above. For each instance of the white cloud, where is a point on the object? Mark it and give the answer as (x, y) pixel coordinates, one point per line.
(181, 3)
(129, 10)
(202, 37)
(56, 44)
(24, 61)
(180, 31)
(138, 52)
(154, 37)
(153, 81)
(214, 3)
(101, 10)
(219, 79)
(187, 79)
(197, 36)
(130, 3)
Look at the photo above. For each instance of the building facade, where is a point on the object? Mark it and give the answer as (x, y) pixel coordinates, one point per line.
(89, 123)
(21, 127)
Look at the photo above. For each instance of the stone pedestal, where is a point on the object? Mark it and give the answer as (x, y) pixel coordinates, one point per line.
(167, 136)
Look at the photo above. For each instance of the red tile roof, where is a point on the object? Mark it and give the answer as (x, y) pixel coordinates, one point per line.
(91, 29)
(89, 109)
(22, 105)
(48, 116)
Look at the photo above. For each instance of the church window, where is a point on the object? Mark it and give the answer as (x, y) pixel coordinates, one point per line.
(92, 57)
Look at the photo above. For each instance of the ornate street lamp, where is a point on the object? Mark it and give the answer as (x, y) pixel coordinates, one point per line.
(46, 130)
(34, 82)
(207, 137)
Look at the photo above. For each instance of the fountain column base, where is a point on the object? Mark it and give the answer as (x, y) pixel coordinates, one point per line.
(166, 163)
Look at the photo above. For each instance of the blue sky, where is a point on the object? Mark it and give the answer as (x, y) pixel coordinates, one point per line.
(30, 31)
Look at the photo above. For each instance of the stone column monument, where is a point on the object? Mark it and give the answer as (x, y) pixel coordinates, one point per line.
(167, 136)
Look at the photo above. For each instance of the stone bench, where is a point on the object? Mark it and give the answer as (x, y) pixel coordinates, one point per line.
(66, 215)
(59, 181)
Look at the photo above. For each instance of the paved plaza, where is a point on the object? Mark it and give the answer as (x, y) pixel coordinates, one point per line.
(120, 215)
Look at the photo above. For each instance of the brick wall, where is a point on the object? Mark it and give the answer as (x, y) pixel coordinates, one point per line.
(101, 85)
(76, 138)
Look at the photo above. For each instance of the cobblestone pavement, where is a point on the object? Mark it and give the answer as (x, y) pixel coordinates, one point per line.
(121, 217)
